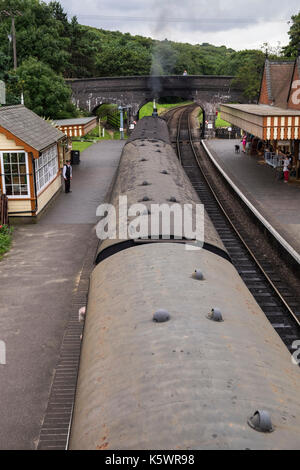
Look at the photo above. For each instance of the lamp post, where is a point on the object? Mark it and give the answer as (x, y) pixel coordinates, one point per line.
(121, 123)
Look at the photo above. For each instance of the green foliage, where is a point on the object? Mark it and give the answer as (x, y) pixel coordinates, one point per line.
(220, 122)
(247, 66)
(81, 146)
(294, 33)
(5, 239)
(44, 92)
(64, 48)
(105, 109)
(122, 59)
(147, 109)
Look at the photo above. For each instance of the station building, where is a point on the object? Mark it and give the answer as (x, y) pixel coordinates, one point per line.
(275, 121)
(77, 127)
(31, 153)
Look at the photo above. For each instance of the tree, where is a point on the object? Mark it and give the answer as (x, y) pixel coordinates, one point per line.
(39, 32)
(45, 93)
(164, 58)
(294, 33)
(250, 65)
(115, 59)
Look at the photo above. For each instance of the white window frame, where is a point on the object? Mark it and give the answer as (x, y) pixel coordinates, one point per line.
(37, 170)
(15, 196)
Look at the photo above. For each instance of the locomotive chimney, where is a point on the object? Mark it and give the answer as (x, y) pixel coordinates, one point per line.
(155, 113)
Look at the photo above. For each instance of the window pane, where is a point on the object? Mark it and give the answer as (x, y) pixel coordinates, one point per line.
(7, 179)
(6, 157)
(14, 169)
(23, 179)
(6, 168)
(22, 169)
(21, 157)
(24, 189)
(9, 190)
(13, 158)
(16, 189)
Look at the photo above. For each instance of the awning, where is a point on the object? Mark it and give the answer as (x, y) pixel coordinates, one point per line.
(263, 121)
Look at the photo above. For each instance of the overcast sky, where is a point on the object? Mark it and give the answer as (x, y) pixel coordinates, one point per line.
(235, 23)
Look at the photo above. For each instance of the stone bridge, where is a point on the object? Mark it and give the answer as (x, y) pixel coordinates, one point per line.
(209, 91)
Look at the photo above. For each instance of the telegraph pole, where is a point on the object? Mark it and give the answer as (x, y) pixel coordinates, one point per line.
(13, 33)
(13, 14)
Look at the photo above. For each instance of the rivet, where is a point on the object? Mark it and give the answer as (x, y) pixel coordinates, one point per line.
(173, 199)
(164, 172)
(261, 421)
(198, 275)
(161, 316)
(215, 315)
(145, 183)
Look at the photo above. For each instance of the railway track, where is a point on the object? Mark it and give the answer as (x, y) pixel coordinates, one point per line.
(271, 292)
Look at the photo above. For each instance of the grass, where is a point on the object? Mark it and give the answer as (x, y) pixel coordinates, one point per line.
(5, 239)
(92, 136)
(76, 145)
(221, 123)
(147, 109)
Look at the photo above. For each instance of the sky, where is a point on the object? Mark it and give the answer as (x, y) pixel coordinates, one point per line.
(239, 24)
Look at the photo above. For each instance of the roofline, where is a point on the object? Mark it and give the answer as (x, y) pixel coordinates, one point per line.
(51, 145)
(19, 141)
(24, 144)
(90, 79)
(286, 111)
(291, 84)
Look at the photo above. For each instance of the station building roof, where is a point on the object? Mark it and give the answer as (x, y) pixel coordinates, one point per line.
(277, 116)
(264, 121)
(24, 126)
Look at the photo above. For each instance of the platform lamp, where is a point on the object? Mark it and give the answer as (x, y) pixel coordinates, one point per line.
(121, 109)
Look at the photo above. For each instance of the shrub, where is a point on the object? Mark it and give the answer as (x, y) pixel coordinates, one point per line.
(5, 239)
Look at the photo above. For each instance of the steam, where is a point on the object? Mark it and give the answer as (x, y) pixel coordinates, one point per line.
(164, 57)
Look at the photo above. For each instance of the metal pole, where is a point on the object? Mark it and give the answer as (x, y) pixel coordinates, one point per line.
(121, 123)
(13, 32)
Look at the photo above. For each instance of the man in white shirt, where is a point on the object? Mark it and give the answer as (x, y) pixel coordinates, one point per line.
(67, 175)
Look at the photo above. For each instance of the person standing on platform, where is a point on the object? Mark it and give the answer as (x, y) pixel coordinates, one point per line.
(244, 141)
(286, 168)
(67, 175)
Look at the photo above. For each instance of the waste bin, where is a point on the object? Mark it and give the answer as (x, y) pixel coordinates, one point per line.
(75, 157)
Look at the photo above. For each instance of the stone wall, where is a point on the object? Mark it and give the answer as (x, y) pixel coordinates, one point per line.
(207, 91)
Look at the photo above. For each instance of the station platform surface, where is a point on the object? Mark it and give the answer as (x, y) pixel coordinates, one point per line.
(39, 281)
(276, 201)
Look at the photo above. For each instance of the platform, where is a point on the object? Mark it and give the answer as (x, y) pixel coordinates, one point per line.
(277, 203)
(43, 282)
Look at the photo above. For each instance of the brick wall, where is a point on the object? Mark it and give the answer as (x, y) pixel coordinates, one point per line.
(264, 97)
(294, 100)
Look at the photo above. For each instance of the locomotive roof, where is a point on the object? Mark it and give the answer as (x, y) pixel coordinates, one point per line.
(151, 128)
